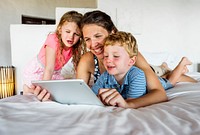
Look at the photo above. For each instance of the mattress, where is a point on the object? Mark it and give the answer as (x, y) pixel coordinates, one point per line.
(180, 115)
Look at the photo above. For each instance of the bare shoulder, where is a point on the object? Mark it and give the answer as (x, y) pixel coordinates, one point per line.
(85, 67)
(88, 56)
(87, 62)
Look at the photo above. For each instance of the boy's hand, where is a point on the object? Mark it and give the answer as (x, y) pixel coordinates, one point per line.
(112, 97)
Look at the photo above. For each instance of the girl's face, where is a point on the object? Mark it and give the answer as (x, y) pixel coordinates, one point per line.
(116, 60)
(70, 33)
(94, 37)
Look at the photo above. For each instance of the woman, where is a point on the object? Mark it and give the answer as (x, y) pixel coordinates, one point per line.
(96, 26)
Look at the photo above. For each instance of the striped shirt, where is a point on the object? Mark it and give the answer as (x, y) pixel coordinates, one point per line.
(134, 84)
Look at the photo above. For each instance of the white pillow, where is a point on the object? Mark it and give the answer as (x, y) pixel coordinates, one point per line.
(68, 71)
(157, 58)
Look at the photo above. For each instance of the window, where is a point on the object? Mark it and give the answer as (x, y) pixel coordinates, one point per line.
(36, 20)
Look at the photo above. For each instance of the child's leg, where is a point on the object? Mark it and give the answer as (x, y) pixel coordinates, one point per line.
(177, 75)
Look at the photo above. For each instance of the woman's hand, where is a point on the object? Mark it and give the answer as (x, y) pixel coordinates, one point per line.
(112, 97)
(42, 94)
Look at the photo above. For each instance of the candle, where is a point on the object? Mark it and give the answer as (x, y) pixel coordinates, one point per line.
(7, 82)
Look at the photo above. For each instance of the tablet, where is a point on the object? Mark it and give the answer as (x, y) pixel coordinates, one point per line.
(70, 91)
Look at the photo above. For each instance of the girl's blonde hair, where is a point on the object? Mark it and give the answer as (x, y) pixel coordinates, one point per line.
(125, 39)
(79, 48)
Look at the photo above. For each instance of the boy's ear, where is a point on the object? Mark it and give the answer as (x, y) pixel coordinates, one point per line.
(132, 60)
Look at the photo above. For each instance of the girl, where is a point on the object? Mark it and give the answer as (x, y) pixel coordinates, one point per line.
(59, 48)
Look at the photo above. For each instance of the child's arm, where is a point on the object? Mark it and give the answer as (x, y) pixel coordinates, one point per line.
(112, 97)
(50, 63)
(136, 88)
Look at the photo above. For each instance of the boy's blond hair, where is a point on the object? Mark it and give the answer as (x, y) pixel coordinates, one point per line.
(125, 39)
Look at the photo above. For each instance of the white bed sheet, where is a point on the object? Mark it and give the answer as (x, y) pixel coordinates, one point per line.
(179, 116)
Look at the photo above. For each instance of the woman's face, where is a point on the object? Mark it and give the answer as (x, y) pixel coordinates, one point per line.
(70, 33)
(94, 37)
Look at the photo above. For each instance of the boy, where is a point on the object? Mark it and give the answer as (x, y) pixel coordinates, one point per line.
(123, 82)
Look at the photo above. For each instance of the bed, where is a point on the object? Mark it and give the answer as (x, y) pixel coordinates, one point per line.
(24, 115)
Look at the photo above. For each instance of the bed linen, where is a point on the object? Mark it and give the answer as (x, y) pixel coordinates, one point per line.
(25, 115)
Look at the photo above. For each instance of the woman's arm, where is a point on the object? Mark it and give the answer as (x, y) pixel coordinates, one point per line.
(156, 92)
(85, 67)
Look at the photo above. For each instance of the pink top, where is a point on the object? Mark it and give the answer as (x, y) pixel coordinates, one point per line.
(52, 41)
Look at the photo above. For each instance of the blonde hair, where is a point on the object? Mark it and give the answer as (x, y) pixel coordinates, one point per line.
(79, 48)
(125, 39)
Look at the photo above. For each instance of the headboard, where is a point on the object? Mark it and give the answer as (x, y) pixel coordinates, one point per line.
(26, 41)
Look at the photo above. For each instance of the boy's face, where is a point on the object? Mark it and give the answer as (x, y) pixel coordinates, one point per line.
(117, 60)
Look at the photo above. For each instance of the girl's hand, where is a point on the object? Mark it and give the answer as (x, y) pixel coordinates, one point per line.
(42, 94)
(112, 97)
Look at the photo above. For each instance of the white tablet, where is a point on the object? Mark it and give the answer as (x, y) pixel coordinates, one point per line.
(71, 91)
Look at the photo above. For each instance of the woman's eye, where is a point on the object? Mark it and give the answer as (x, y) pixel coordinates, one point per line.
(116, 56)
(86, 39)
(97, 36)
(77, 34)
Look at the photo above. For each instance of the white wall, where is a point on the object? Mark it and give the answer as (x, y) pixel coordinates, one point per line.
(161, 25)
(11, 11)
